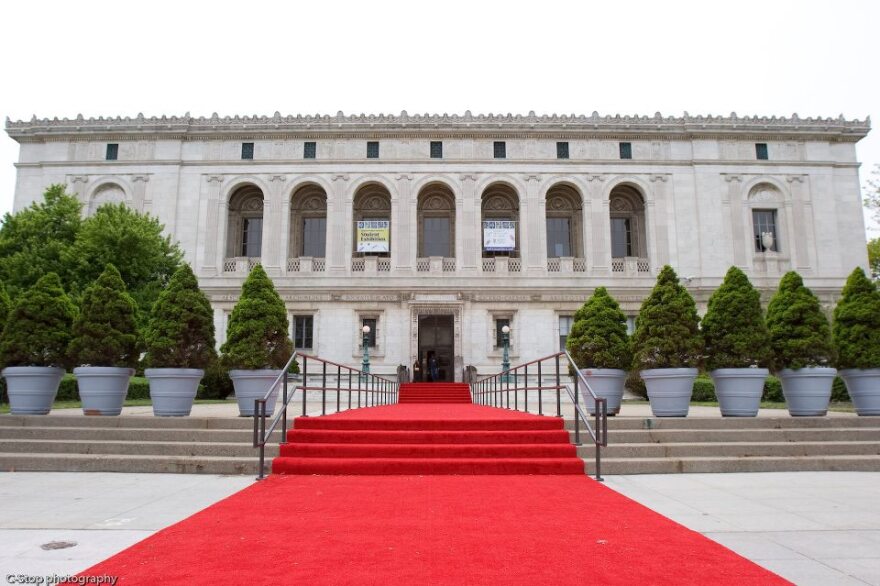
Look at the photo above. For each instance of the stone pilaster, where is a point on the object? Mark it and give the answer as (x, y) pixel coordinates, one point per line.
(532, 226)
(732, 210)
(212, 233)
(402, 252)
(660, 221)
(600, 224)
(339, 216)
(273, 237)
(801, 231)
(468, 227)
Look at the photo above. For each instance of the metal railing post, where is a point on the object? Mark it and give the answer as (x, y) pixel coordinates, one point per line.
(338, 387)
(540, 386)
(261, 405)
(558, 390)
(305, 383)
(359, 390)
(526, 389)
(284, 416)
(577, 417)
(349, 387)
(324, 388)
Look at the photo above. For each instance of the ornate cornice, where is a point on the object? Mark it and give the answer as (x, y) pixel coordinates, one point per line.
(453, 125)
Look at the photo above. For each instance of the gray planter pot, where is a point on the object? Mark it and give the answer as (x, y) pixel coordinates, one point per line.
(251, 385)
(863, 386)
(102, 389)
(32, 389)
(173, 390)
(807, 390)
(605, 382)
(669, 390)
(739, 390)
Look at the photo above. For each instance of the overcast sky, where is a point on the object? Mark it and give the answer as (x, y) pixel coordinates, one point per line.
(766, 57)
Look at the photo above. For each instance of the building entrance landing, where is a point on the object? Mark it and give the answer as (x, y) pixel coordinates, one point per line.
(437, 340)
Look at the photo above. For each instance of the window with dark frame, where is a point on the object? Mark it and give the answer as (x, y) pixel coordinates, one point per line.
(621, 238)
(315, 237)
(565, 323)
(761, 151)
(764, 222)
(561, 150)
(626, 150)
(500, 149)
(436, 149)
(499, 335)
(251, 237)
(112, 152)
(310, 150)
(558, 237)
(247, 151)
(302, 331)
(373, 150)
(371, 337)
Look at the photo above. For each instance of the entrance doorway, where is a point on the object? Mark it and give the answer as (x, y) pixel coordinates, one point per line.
(436, 338)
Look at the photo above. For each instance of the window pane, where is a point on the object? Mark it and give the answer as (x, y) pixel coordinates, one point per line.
(436, 237)
(500, 149)
(302, 331)
(309, 150)
(499, 335)
(314, 237)
(561, 150)
(251, 237)
(371, 337)
(761, 151)
(621, 238)
(626, 150)
(436, 150)
(112, 152)
(247, 150)
(565, 323)
(558, 237)
(764, 224)
(372, 150)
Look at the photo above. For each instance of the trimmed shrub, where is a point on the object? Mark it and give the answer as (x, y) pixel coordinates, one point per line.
(598, 337)
(216, 384)
(839, 394)
(734, 329)
(180, 333)
(773, 391)
(37, 330)
(799, 331)
(635, 384)
(257, 332)
(667, 332)
(105, 333)
(857, 323)
(138, 388)
(704, 389)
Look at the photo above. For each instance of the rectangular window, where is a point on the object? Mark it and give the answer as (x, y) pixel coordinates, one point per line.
(621, 238)
(764, 222)
(436, 149)
(436, 237)
(251, 237)
(112, 152)
(630, 324)
(302, 332)
(500, 149)
(314, 237)
(561, 150)
(626, 150)
(558, 237)
(761, 151)
(309, 150)
(371, 337)
(565, 323)
(499, 335)
(372, 150)
(247, 150)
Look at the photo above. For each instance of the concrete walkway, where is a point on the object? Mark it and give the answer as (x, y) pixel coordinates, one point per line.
(810, 527)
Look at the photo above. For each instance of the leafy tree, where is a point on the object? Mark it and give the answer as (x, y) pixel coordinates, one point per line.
(734, 328)
(857, 323)
(256, 336)
(180, 333)
(874, 257)
(37, 331)
(105, 333)
(5, 306)
(37, 240)
(799, 331)
(667, 332)
(598, 337)
(149, 258)
(872, 196)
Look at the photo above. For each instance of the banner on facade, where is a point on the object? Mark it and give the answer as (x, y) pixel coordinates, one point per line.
(373, 236)
(499, 235)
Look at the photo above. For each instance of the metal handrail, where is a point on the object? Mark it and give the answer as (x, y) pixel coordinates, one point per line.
(495, 390)
(377, 390)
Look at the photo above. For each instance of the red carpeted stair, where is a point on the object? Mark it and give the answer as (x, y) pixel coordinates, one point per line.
(435, 393)
(428, 438)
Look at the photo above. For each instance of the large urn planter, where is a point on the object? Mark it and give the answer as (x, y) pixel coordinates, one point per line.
(606, 383)
(173, 390)
(251, 385)
(807, 390)
(32, 389)
(102, 389)
(739, 390)
(863, 386)
(669, 390)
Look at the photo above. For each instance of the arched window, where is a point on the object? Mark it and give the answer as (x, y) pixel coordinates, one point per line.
(245, 233)
(107, 193)
(436, 220)
(563, 211)
(372, 221)
(500, 221)
(627, 208)
(308, 222)
(764, 201)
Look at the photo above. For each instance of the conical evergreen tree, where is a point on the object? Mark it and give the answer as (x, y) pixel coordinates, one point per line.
(105, 333)
(598, 337)
(256, 336)
(37, 330)
(799, 331)
(5, 306)
(180, 333)
(857, 323)
(667, 332)
(734, 329)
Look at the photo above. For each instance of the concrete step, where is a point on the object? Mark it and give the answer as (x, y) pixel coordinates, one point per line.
(855, 463)
(742, 435)
(194, 449)
(717, 423)
(76, 419)
(737, 449)
(54, 462)
(243, 436)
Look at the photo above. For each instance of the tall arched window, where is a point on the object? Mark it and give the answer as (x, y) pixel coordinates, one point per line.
(308, 222)
(627, 207)
(500, 207)
(563, 211)
(372, 208)
(245, 233)
(436, 220)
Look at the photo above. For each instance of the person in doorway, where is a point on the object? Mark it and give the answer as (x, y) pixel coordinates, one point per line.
(417, 371)
(435, 369)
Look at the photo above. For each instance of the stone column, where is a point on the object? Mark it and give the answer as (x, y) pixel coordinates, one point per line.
(660, 222)
(733, 209)
(273, 237)
(401, 228)
(600, 226)
(468, 228)
(531, 221)
(338, 211)
(802, 213)
(212, 232)
(284, 241)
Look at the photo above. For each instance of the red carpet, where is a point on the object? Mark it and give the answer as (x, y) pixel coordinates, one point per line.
(428, 438)
(435, 393)
(494, 530)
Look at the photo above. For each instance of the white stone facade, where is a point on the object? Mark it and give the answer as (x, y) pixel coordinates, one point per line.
(686, 198)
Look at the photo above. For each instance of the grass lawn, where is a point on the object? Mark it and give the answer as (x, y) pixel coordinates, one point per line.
(4, 408)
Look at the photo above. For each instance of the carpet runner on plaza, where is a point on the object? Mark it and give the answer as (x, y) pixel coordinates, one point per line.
(435, 393)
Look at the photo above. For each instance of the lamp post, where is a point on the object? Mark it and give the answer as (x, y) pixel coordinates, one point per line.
(365, 364)
(505, 356)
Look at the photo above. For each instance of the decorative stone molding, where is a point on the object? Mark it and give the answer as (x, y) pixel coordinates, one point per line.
(660, 178)
(280, 178)
(795, 178)
(340, 178)
(144, 178)
(732, 178)
(214, 179)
